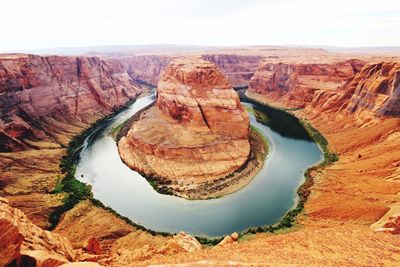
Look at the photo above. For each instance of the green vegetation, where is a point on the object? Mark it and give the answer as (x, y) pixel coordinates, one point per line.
(115, 130)
(263, 138)
(99, 204)
(289, 219)
(209, 241)
(249, 109)
(261, 117)
(329, 157)
(75, 190)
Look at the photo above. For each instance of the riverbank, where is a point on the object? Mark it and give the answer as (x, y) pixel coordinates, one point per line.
(286, 222)
(291, 218)
(210, 188)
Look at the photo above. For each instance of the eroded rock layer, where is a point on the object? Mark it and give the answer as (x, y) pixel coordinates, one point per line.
(294, 84)
(44, 102)
(28, 245)
(45, 99)
(149, 68)
(197, 130)
(373, 91)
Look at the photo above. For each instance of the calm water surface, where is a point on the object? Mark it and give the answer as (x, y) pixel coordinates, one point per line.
(264, 201)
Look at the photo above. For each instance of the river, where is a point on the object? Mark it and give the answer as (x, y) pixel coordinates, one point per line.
(262, 202)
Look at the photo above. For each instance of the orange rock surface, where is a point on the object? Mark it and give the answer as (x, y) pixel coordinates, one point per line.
(294, 84)
(197, 131)
(24, 243)
(149, 68)
(45, 101)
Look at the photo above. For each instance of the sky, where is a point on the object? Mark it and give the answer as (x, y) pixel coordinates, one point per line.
(29, 25)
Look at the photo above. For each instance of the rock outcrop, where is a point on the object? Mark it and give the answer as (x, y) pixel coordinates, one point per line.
(146, 68)
(45, 100)
(149, 68)
(24, 244)
(228, 240)
(294, 84)
(187, 242)
(238, 68)
(375, 91)
(198, 131)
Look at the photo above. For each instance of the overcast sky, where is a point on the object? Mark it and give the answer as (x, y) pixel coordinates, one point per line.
(28, 24)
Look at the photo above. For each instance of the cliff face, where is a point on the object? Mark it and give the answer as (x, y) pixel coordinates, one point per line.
(372, 92)
(195, 93)
(149, 68)
(25, 244)
(44, 102)
(197, 131)
(238, 68)
(48, 98)
(294, 84)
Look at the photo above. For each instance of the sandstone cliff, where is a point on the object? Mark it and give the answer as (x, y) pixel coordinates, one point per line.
(374, 91)
(44, 102)
(238, 68)
(149, 68)
(46, 99)
(197, 131)
(294, 84)
(25, 244)
(146, 68)
(360, 120)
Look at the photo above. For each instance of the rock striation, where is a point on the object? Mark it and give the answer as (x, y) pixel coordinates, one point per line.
(24, 244)
(47, 99)
(197, 131)
(374, 91)
(294, 84)
(238, 68)
(44, 102)
(149, 68)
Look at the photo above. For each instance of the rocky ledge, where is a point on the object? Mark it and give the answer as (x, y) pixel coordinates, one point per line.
(196, 134)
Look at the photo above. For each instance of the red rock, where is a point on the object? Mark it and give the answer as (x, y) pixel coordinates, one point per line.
(372, 92)
(92, 245)
(46, 98)
(149, 68)
(295, 84)
(24, 243)
(197, 131)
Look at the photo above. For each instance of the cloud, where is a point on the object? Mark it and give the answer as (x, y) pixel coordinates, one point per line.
(47, 23)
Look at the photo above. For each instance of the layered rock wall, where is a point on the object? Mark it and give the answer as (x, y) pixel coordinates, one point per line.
(149, 68)
(294, 84)
(197, 131)
(48, 98)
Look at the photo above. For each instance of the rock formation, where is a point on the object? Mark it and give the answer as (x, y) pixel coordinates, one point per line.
(197, 131)
(149, 68)
(228, 240)
(45, 99)
(294, 84)
(373, 91)
(359, 190)
(44, 102)
(146, 68)
(238, 68)
(28, 245)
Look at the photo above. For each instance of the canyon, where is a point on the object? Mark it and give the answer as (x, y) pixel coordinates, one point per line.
(351, 217)
(149, 68)
(196, 134)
